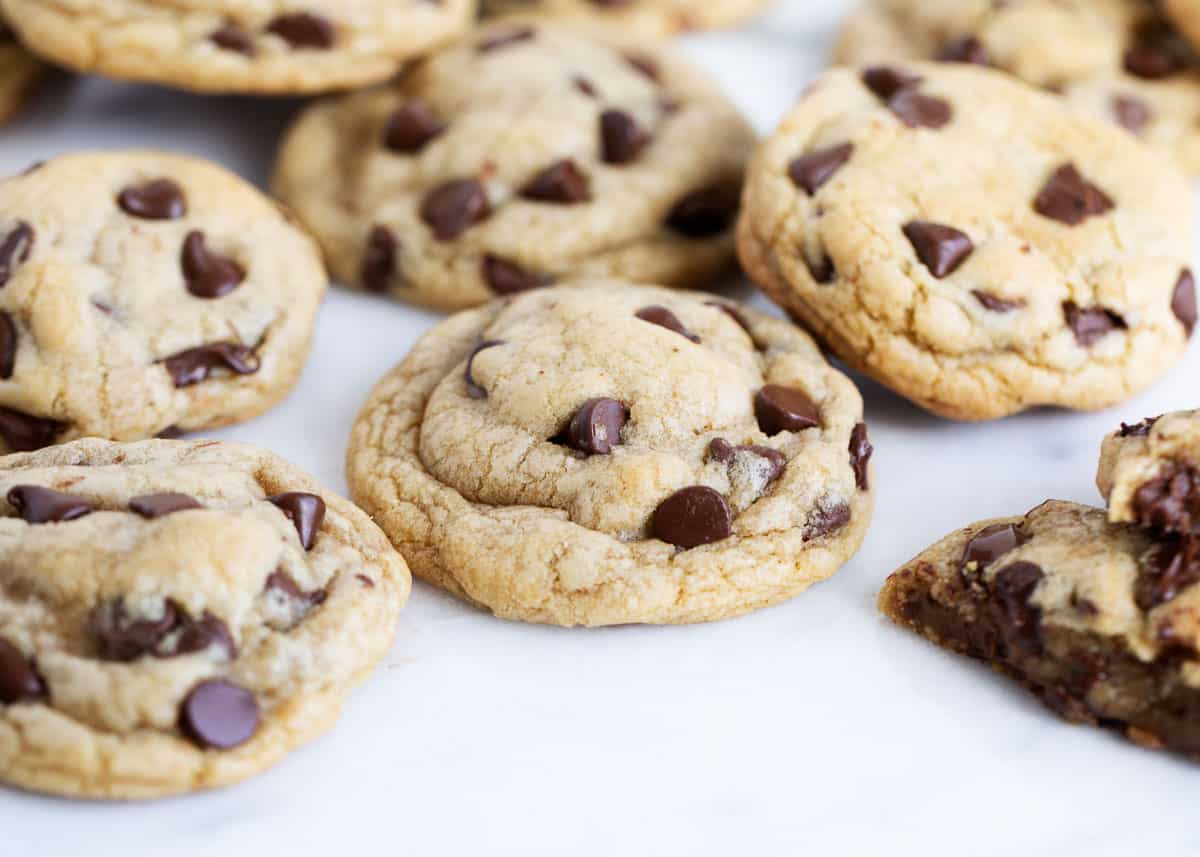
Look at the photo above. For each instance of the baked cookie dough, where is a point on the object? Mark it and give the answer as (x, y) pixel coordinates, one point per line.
(1185, 16)
(1094, 617)
(525, 153)
(644, 17)
(1150, 473)
(970, 242)
(1115, 59)
(268, 47)
(20, 75)
(178, 615)
(602, 453)
(141, 291)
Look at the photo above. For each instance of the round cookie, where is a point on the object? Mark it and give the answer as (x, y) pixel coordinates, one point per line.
(522, 154)
(643, 17)
(602, 453)
(275, 47)
(178, 615)
(20, 75)
(141, 291)
(977, 261)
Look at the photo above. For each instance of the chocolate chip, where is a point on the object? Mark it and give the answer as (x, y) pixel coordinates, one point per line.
(379, 259)
(231, 37)
(596, 426)
(822, 272)
(692, 516)
(1156, 52)
(19, 681)
(123, 639)
(780, 408)
(1132, 114)
(663, 317)
(473, 389)
(171, 433)
(365, 581)
(562, 182)
(38, 505)
(8, 344)
(1069, 198)
(989, 544)
(1091, 324)
(508, 278)
(942, 249)
(811, 170)
(157, 505)
(1139, 429)
(643, 65)
(24, 432)
(825, 520)
(1170, 569)
(1012, 587)
(219, 715)
(886, 81)
(282, 582)
(1183, 301)
(703, 213)
(917, 110)
(453, 207)
(200, 635)
(997, 304)
(410, 127)
(860, 455)
(505, 38)
(1170, 502)
(160, 199)
(303, 30)
(621, 137)
(15, 249)
(585, 86)
(208, 274)
(196, 364)
(968, 49)
(305, 511)
(721, 450)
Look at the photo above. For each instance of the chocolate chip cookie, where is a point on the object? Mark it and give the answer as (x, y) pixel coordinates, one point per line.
(522, 155)
(141, 291)
(603, 453)
(275, 47)
(979, 261)
(20, 75)
(1150, 473)
(644, 17)
(178, 615)
(1098, 619)
(1115, 59)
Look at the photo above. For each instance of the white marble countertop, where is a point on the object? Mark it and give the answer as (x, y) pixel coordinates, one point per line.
(811, 728)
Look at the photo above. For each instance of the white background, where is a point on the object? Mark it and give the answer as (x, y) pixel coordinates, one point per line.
(811, 728)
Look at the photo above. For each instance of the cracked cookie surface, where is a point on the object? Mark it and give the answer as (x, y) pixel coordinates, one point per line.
(1096, 618)
(1149, 473)
(643, 17)
(979, 261)
(602, 453)
(141, 291)
(178, 615)
(270, 46)
(523, 154)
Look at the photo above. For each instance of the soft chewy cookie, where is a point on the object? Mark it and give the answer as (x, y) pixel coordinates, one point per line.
(141, 291)
(20, 74)
(645, 17)
(270, 46)
(1150, 473)
(522, 154)
(1115, 59)
(978, 260)
(1099, 620)
(604, 453)
(178, 615)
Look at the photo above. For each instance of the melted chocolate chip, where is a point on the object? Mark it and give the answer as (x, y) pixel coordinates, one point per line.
(941, 249)
(157, 505)
(968, 49)
(410, 127)
(38, 505)
(453, 207)
(199, 636)
(1139, 429)
(473, 389)
(283, 583)
(825, 520)
(208, 274)
(379, 259)
(703, 213)
(1069, 198)
(596, 426)
(508, 278)
(219, 715)
(780, 408)
(692, 516)
(197, 364)
(123, 639)
(1132, 114)
(24, 432)
(1183, 301)
(917, 110)
(886, 81)
(171, 433)
(563, 182)
(1092, 323)
(621, 137)
(505, 38)
(989, 544)
(860, 455)
(15, 249)
(305, 511)
(1170, 502)
(823, 271)
(810, 171)
(19, 681)
(160, 199)
(1173, 567)
(231, 37)
(1012, 587)
(1156, 52)
(995, 303)
(663, 317)
(8, 345)
(303, 30)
